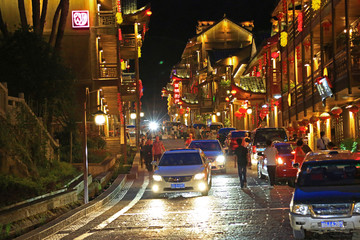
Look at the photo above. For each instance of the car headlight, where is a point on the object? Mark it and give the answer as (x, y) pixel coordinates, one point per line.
(199, 176)
(280, 161)
(357, 208)
(220, 159)
(157, 178)
(301, 209)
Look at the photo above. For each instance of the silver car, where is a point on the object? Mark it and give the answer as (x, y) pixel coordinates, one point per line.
(182, 170)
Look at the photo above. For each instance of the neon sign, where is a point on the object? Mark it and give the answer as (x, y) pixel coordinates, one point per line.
(80, 19)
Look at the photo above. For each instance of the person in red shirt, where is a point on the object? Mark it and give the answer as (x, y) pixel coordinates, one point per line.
(189, 140)
(299, 152)
(158, 149)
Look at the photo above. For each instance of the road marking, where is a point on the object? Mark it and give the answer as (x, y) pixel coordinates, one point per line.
(88, 218)
(119, 213)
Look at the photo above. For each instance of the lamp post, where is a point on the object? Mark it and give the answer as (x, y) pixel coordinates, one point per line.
(99, 120)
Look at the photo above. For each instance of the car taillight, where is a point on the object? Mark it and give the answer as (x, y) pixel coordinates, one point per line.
(280, 161)
(254, 149)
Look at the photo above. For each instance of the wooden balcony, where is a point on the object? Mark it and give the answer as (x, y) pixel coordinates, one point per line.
(108, 70)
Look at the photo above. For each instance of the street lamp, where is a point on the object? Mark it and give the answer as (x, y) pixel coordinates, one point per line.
(99, 120)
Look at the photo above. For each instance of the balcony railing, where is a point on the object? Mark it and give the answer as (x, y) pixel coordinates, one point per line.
(128, 40)
(106, 19)
(108, 70)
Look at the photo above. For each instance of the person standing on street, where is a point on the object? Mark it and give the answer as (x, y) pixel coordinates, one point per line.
(142, 144)
(147, 152)
(299, 152)
(157, 149)
(271, 153)
(322, 142)
(189, 140)
(241, 154)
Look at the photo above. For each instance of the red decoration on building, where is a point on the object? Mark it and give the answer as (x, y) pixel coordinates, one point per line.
(300, 22)
(303, 129)
(305, 122)
(326, 24)
(284, 5)
(298, 53)
(354, 109)
(307, 44)
(274, 54)
(336, 111)
(280, 16)
(176, 93)
(324, 116)
(290, 129)
(181, 111)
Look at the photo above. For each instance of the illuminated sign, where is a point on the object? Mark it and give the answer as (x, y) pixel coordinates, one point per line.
(80, 19)
(176, 93)
(323, 88)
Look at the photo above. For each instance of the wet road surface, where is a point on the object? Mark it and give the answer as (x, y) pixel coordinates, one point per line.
(229, 212)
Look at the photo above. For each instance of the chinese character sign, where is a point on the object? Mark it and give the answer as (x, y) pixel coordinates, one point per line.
(80, 19)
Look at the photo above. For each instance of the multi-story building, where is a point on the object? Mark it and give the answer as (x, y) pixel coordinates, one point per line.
(315, 63)
(102, 45)
(204, 84)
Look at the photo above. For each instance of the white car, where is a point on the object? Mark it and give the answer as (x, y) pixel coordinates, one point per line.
(213, 151)
(182, 170)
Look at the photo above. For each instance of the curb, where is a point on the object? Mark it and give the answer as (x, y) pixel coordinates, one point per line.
(73, 215)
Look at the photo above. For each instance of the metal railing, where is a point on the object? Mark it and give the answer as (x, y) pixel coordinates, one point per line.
(108, 70)
(106, 19)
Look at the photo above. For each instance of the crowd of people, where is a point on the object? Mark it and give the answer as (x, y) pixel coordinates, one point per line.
(197, 132)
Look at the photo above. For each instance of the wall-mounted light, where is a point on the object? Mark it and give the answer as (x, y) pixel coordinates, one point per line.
(249, 111)
(218, 114)
(133, 115)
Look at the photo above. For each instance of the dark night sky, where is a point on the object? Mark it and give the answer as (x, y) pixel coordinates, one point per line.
(172, 23)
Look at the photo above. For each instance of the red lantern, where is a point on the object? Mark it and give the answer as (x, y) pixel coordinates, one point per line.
(238, 114)
(303, 129)
(307, 44)
(262, 115)
(336, 111)
(274, 54)
(354, 109)
(314, 119)
(324, 116)
(242, 110)
(181, 111)
(300, 22)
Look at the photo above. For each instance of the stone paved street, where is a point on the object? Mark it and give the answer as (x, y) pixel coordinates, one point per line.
(227, 213)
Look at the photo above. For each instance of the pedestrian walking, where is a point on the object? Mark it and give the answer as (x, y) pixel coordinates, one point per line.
(271, 154)
(157, 149)
(148, 156)
(299, 152)
(322, 142)
(241, 154)
(142, 144)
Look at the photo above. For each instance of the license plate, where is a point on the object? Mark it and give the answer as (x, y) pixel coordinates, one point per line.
(178, 185)
(332, 224)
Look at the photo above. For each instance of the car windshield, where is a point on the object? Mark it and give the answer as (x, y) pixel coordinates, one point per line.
(284, 148)
(206, 146)
(329, 173)
(180, 159)
(271, 134)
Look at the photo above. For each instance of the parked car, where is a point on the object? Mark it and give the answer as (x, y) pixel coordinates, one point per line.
(182, 170)
(231, 141)
(327, 194)
(284, 164)
(259, 137)
(222, 134)
(213, 151)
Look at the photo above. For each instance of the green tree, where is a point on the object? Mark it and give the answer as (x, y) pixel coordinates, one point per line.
(30, 65)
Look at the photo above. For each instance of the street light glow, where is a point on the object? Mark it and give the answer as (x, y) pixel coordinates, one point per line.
(133, 115)
(100, 118)
(153, 126)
